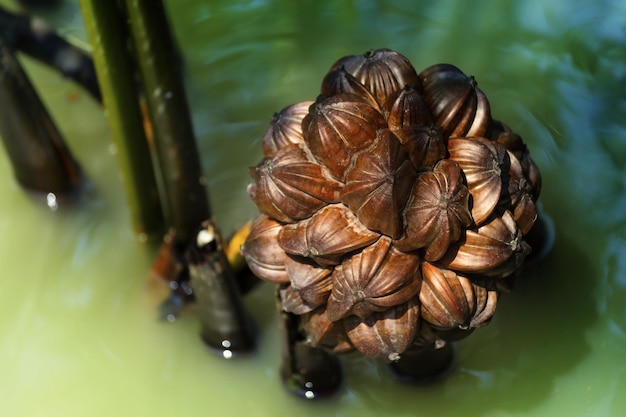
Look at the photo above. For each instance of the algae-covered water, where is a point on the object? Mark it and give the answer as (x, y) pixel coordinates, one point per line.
(78, 320)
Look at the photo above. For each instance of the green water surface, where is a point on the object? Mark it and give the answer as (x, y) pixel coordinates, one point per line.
(78, 323)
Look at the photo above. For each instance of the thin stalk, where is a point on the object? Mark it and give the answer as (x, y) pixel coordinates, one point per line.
(32, 36)
(116, 75)
(40, 158)
(39, 4)
(183, 191)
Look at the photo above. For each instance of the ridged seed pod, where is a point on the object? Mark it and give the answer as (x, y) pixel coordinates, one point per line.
(264, 256)
(437, 211)
(518, 197)
(483, 163)
(458, 106)
(372, 280)
(309, 280)
(290, 186)
(450, 301)
(321, 332)
(385, 334)
(381, 71)
(513, 142)
(292, 301)
(425, 144)
(378, 184)
(341, 81)
(496, 249)
(338, 127)
(407, 108)
(327, 236)
(285, 128)
(395, 212)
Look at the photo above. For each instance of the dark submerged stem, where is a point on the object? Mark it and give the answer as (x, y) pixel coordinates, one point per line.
(425, 364)
(226, 327)
(32, 36)
(40, 4)
(40, 158)
(306, 371)
(171, 268)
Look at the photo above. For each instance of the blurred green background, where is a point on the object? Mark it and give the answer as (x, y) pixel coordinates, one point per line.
(80, 335)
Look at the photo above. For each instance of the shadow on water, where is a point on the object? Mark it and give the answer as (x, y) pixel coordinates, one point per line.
(538, 336)
(542, 328)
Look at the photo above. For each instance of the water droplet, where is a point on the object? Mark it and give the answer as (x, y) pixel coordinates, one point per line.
(51, 200)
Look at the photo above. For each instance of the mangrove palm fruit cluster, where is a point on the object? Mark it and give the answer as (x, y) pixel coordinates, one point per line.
(392, 207)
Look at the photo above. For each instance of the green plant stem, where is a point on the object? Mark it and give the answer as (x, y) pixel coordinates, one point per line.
(184, 194)
(116, 74)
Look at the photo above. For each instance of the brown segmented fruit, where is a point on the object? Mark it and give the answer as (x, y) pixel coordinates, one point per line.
(385, 334)
(388, 177)
(425, 144)
(338, 127)
(340, 81)
(496, 249)
(372, 280)
(381, 71)
(291, 186)
(458, 106)
(326, 334)
(451, 301)
(285, 128)
(264, 256)
(326, 237)
(378, 184)
(437, 211)
(407, 108)
(311, 281)
(483, 163)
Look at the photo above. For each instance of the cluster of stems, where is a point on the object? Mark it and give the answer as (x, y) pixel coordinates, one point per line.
(133, 71)
(143, 92)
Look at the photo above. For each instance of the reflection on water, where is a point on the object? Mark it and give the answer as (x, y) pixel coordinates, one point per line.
(78, 318)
